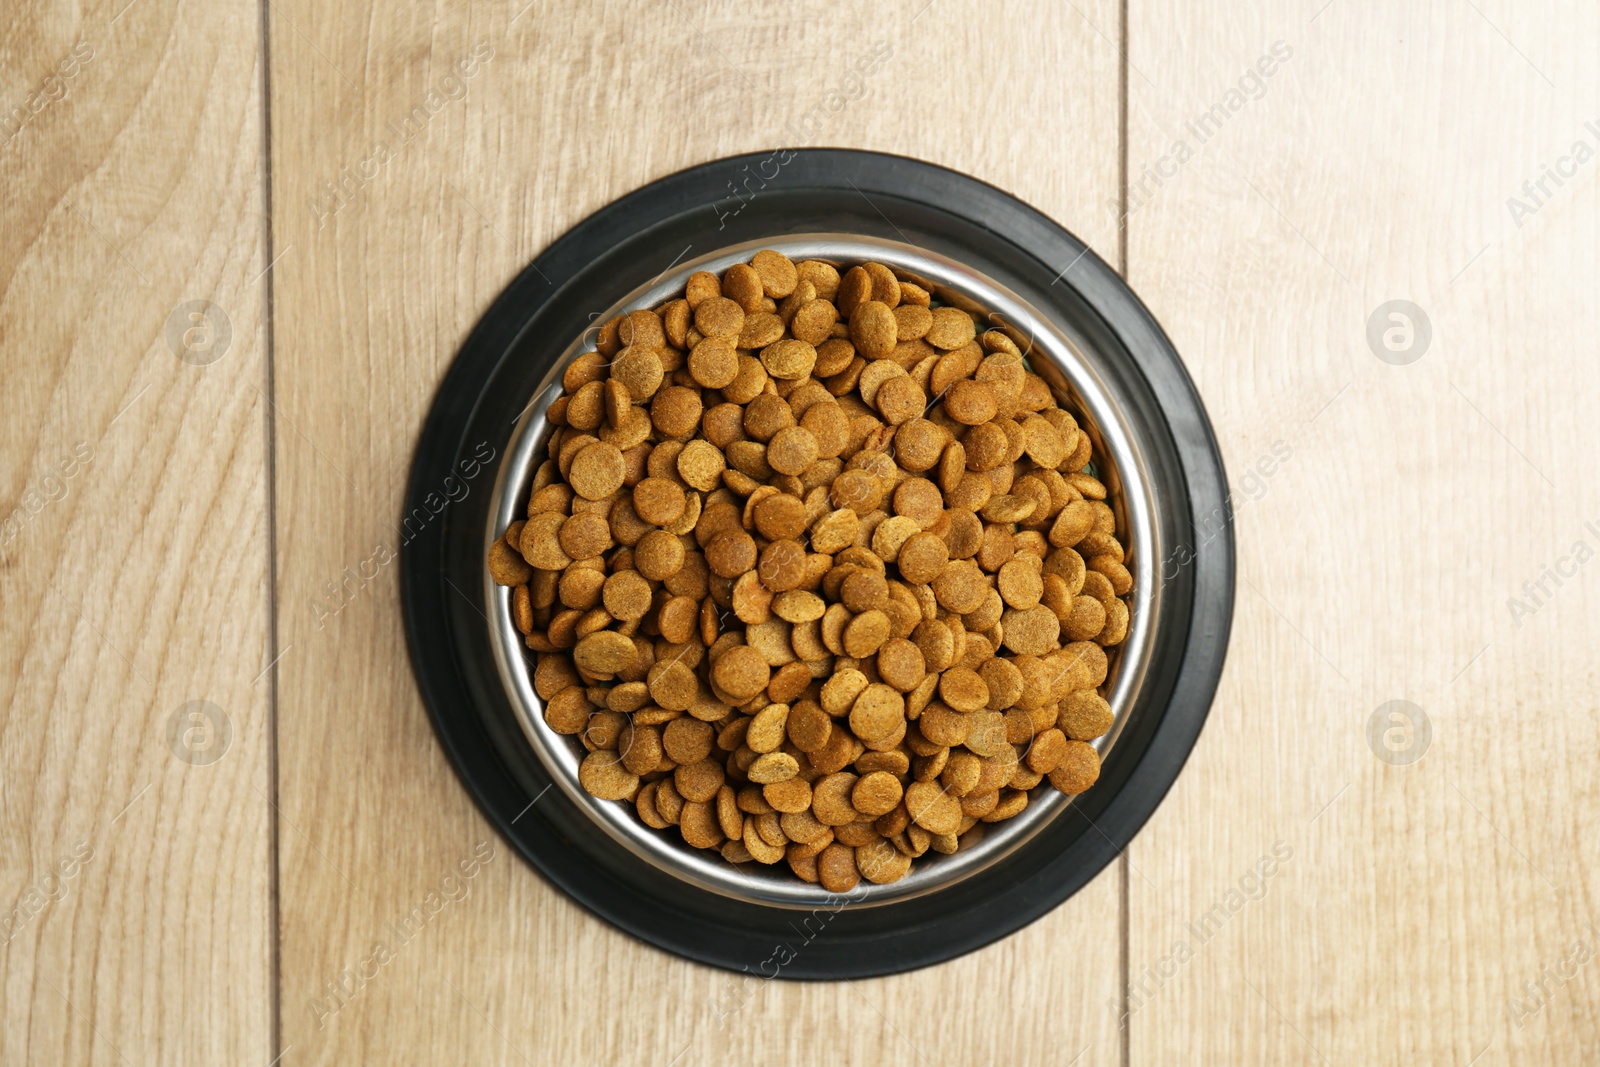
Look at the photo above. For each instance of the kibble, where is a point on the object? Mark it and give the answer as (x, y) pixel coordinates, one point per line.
(816, 573)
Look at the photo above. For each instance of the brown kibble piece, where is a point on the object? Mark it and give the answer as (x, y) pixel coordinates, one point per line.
(1046, 751)
(789, 360)
(645, 805)
(901, 399)
(885, 286)
(987, 448)
(765, 415)
(507, 566)
(714, 362)
(813, 322)
(782, 566)
(881, 863)
(840, 691)
(1097, 585)
(1033, 632)
(605, 652)
(864, 590)
(1072, 525)
(741, 672)
(961, 774)
(919, 443)
(872, 329)
(719, 317)
(1077, 770)
(754, 844)
(788, 682)
(823, 277)
(809, 727)
(777, 273)
(798, 605)
(658, 555)
(792, 796)
(836, 869)
(766, 730)
(941, 725)
(729, 818)
(780, 517)
(792, 450)
(687, 740)
(597, 471)
(701, 465)
(742, 285)
(1085, 715)
(923, 557)
(971, 402)
(986, 734)
(855, 288)
(876, 794)
(698, 824)
(950, 328)
(554, 674)
(1085, 619)
(877, 712)
(932, 808)
(639, 747)
(900, 664)
(1020, 584)
(658, 501)
(673, 686)
(585, 536)
(698, 781)
(642, 328)
(760, 329)
(603, 774)
(803, 827)
(701, 286)
(961, 587)
(866, 633)
(963, 690)
(1005, 682)
(1116, 628)
(640, 372)
(540, 542)
(1119, 576)
(568, 711)
(675, 411)
(911, 321)
(626, 595)
(731, 553)
(830, 799)
(773, 767)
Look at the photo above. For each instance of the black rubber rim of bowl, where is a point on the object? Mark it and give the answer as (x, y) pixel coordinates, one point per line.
(626, 244)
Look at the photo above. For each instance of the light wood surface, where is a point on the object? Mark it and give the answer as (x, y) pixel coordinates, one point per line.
(144, 585)
(576, 107)
(201, 552)
(1375, 564)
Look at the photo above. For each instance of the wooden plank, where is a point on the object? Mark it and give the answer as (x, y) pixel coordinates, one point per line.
(567, 108)
(1391, 501)
(135, 894)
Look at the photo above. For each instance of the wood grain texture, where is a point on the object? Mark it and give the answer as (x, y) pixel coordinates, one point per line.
(1379, 547)
(1296, 899)
(578, 105)
(135, 921)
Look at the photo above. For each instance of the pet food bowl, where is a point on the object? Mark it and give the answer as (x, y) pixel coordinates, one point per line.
(971, 246)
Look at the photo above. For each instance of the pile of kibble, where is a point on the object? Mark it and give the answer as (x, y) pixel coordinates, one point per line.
(815, 572)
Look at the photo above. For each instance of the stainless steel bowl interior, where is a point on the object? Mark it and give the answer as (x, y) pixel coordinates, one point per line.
(1058, 354)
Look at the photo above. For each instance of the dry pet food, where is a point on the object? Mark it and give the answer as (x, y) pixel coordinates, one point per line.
(817, 572)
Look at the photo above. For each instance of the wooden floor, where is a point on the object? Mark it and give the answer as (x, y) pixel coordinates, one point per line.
(242, 240)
